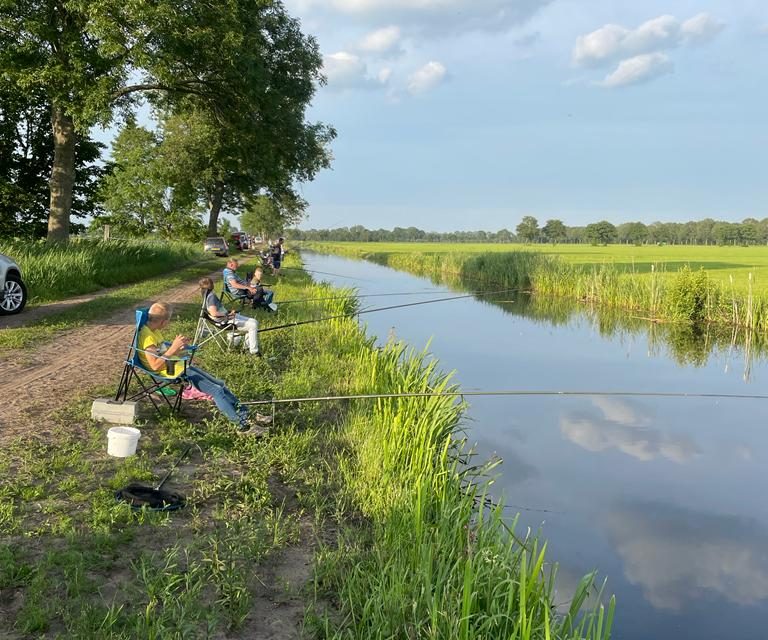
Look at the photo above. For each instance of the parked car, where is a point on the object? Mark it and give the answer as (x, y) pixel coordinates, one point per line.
(13, 291)
(216, 246)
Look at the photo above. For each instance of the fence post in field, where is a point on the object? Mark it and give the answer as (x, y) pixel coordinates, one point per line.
(106, 232)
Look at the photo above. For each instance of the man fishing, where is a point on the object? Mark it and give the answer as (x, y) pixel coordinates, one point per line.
(152, 345)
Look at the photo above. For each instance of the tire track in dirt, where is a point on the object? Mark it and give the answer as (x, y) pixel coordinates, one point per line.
(35, 384)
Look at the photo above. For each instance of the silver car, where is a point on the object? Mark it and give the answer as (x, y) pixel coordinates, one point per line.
(13, 291)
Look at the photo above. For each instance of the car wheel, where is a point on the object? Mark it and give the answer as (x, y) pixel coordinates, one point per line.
(14, 296)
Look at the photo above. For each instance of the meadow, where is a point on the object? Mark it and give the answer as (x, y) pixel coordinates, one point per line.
(383, 492)
(721, 263)
(726, 285)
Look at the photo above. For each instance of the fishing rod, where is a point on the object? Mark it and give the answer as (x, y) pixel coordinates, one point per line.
(431, 292)
(324, 273)
(512, 392)
(358, 313)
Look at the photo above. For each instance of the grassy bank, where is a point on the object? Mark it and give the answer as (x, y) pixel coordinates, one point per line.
(58, 271)
(722, 264)
(375, 491)
(675, 291)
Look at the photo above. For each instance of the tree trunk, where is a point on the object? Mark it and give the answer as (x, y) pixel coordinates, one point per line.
(62, 174)
(214, 207)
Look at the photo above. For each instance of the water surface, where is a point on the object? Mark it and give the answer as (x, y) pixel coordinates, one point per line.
(664, 496)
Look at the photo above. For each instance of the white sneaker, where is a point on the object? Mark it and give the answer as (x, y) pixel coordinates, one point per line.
(272, 306)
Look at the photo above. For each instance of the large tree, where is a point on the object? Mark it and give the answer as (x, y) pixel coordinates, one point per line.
(140, 196)
(602, 232)
(554, 231)
(528, 229)
(26, 153)
(245, 61)
(269, 216)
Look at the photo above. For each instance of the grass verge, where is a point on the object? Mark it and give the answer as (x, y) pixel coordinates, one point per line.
(58, 271)
(378, 493)
(38, 331)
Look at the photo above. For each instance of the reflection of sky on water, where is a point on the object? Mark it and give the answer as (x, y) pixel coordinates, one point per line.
(677, 555)
(620, 426)
(664, 496)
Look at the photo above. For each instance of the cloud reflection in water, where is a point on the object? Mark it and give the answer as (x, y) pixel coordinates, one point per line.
(621, 425)
(676, 555)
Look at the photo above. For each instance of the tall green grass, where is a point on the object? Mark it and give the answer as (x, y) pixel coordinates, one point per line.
(684, 294)
(53, 272)
(436, 563)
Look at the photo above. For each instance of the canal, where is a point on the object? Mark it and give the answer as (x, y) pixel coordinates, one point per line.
(663, 496)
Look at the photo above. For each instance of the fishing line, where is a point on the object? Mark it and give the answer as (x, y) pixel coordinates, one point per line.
(324, 273)
(462, 394)
(358, 313)
(432, 292)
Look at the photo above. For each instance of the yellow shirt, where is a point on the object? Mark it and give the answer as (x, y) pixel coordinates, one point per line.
(150, 338)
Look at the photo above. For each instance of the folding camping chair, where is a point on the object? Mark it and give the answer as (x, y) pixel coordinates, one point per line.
(151, 384)
(222, 332)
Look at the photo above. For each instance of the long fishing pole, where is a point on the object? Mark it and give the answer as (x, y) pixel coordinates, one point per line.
(512, 392)
(431, 292)
(358, 313)
(324, 273)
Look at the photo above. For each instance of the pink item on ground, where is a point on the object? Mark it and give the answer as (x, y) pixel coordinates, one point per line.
(190, 393)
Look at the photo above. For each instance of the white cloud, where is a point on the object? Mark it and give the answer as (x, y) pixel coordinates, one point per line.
(612, 41)
(621, 426)
(677, 556)
(381, 41)
(426, 78)
(638, 69)
(384, 75)
(345, 70)
(701, 28)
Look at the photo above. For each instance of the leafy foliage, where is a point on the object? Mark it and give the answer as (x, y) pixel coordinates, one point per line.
(26, 154)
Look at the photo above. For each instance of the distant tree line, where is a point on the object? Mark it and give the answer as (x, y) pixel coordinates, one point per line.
(749, 231)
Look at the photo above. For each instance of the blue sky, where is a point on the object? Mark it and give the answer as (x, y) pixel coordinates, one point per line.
(467, 114)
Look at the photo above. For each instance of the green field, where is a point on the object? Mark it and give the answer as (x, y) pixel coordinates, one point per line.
(726, 286)
(721, 263)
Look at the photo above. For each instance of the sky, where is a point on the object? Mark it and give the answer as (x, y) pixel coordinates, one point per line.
(469, 114)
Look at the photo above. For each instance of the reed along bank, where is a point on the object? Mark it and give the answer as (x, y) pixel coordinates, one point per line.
(671, 293)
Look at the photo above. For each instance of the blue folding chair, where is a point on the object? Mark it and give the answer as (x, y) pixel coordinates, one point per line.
(150, 383)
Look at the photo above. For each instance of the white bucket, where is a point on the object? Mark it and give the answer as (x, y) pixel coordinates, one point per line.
(122, 441)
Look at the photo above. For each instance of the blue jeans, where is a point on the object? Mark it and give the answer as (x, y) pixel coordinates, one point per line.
(225, 400)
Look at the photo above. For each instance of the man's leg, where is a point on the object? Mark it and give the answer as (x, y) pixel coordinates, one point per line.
(251, 328)
(225, 400)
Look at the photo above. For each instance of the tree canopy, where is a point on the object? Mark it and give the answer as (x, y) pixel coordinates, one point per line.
(244, 63)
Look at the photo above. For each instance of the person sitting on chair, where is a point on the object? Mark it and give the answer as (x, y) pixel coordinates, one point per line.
(263, 295)
(152, 345)
(218, 313)
(235, 285)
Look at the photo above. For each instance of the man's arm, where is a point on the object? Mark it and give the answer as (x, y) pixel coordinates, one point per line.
(152, 353)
